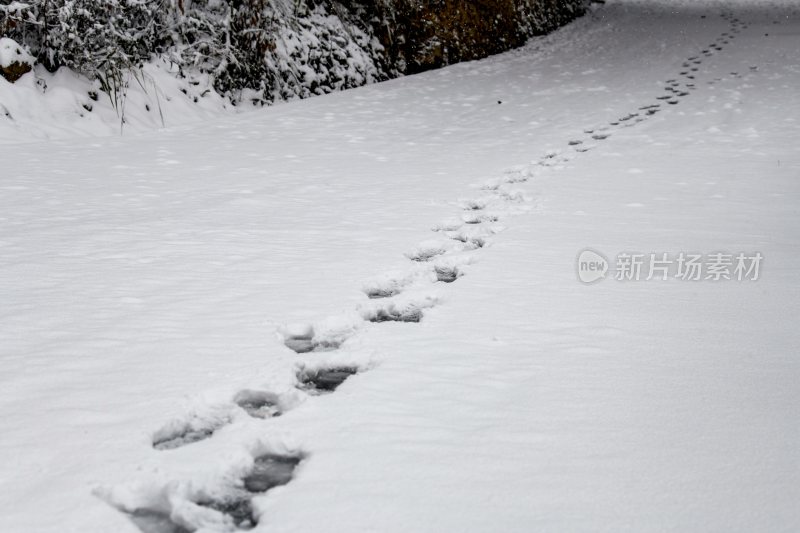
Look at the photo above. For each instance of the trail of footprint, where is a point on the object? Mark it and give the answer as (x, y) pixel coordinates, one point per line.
(271, 470)
(674, 88)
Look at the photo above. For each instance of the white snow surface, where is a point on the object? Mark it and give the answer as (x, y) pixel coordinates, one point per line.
(147, 280)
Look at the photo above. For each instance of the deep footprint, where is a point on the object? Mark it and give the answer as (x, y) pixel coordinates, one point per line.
(269, 471)
(300, 339)
(239, 509)
(325, 380)
(178, 434)
(473, 242)
(150, 521)
(393, 314)
(447, 274)
(426, 252)
(259, 404)
(376, 293)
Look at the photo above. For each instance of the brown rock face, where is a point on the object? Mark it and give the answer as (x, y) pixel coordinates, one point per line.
(15, 71)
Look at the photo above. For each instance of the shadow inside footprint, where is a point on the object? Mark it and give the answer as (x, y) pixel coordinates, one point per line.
(239, 509)
(473, 242)
(394, 314)
(423, 254)
(176, 436)
(447, 274)
(258, 404)
(271, 470)
(376, 293)
(304, 338)
(151, 521)
(325, 380)
(300, 342)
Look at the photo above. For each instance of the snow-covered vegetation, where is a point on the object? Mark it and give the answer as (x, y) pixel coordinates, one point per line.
(264, 50)
(111, 65)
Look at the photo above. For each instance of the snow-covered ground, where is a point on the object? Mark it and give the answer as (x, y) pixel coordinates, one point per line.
(149, 284)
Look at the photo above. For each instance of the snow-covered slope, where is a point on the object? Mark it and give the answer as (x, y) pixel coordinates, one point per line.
(149, 284)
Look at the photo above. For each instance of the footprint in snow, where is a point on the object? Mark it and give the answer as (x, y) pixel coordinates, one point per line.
(326, 335)
(601, 136)
(516, 196)
(478, 218)
(259, 404)
(268, 471)
(155, 521)
(179, 433)
(393, 312)
(388, 284)
(472, 240)
(324, 380)
(518, 174)
(491, 185)
(426, 251)
(447, 273)
(299, 337)
(450, 224)
(403, 308)
(475, 204)
(238, 509)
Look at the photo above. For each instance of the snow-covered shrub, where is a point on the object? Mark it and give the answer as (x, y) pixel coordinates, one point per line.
(93, 37)
(227, 39)
(265, 50)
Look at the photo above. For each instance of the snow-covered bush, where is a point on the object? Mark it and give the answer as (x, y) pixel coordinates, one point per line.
(98, 38)
(264, 50)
